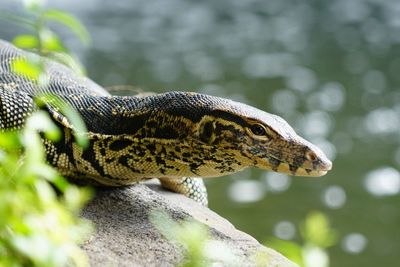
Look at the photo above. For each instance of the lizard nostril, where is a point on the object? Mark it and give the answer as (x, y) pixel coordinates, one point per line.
(311, 156)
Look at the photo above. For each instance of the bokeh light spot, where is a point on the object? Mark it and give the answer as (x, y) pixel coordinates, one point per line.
(301, 79)
(277, 182)
(384, 181)
(285, 230)
(354, 243)
(382, 121)
(246, 191)
(334, 197)
(331, 97)
(316, 124)
(261, 65)
(284, 102)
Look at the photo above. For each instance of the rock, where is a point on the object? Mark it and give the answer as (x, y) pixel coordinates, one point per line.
(124, 235)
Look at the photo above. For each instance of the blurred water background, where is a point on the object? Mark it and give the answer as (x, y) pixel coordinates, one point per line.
(330, 68)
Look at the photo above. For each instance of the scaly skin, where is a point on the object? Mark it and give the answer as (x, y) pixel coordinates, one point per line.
(170, 136)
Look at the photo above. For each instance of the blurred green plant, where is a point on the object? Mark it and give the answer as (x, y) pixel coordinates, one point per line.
(58, 105)
(317, 235)
(48, 44)
(200, 249)
(39, 222)
(43, 39)
(38, 227)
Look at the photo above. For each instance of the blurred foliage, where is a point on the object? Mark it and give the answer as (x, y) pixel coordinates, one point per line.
(38, 227)
(56, 105)
(30, 69)
(200, 249)
(42, 39)
(317, 235)
(317, 230)
(47, 43)
(39, 223)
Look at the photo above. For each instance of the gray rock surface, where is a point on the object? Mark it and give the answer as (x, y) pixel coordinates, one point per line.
(125, 236)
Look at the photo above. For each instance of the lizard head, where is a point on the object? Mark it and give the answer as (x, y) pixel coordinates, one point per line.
(271, 144)
(258, 139)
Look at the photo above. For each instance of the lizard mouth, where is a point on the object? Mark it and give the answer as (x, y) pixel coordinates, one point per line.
(315, 173)
(318, 169)
(315, 166)
(300, 171)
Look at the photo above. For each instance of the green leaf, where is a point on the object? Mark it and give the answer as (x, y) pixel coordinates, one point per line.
(59, 182)
(34, 151)
(70, 21)
(44, 171)
(75, 198)
(79, 126)
(316, 230)
(289, 249)
(9, 140)
(28, 69)
(26, 41)
(33, 5)
(69, 61)
(56, 104)
(40, 122)
(50, 41)
(45, 192)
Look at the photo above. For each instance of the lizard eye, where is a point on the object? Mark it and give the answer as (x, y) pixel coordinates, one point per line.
(258, 129)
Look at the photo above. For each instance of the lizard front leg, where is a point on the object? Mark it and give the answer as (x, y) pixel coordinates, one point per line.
(193, 188)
